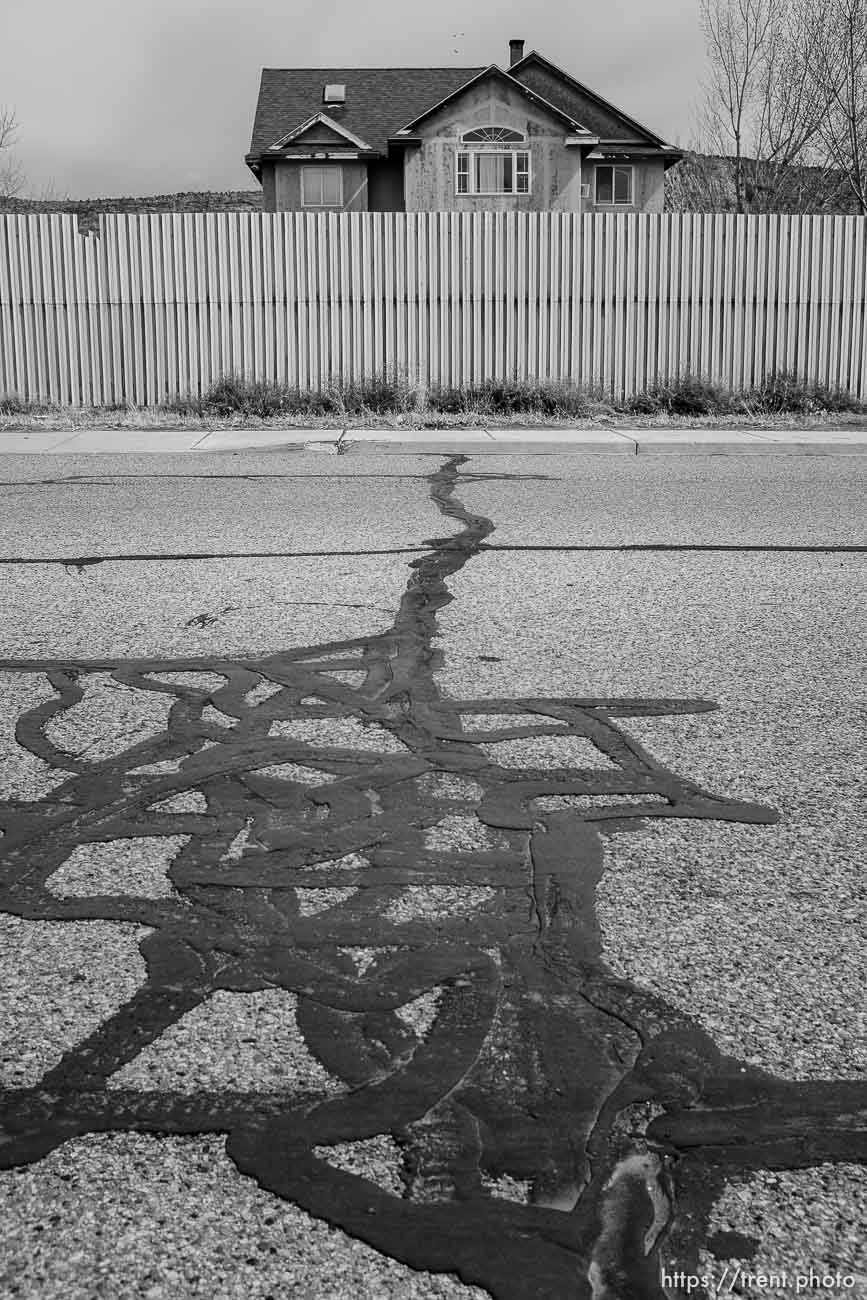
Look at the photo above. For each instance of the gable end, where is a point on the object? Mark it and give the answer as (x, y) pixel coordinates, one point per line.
(495, 73)
(597, 114)
(320, 129)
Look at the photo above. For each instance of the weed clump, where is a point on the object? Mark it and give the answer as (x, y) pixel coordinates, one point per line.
(778, 394)
(12, 404)
(258, 398)
(395, 398)
(264, 400)
(687, 395)
(512, 397)
(785, 394)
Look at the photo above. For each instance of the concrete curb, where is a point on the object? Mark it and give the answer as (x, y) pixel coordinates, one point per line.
(499, 442)
(682, 447)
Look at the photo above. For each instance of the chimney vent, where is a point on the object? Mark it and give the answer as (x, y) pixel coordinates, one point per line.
(516, 52)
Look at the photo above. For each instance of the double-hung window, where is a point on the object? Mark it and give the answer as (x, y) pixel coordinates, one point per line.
(493, 160)
(322, 187)
(614, 185)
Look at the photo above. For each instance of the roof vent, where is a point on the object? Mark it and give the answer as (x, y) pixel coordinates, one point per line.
(334, 93)
(516, 52)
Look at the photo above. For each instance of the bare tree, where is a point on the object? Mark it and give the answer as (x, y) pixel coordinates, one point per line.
(738, 34)
(835, 32)
(760, 111)
(11, 172)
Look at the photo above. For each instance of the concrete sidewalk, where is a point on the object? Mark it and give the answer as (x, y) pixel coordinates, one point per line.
(846, 440)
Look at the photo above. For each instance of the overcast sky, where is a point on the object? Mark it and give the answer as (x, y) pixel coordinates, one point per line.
(118, 97)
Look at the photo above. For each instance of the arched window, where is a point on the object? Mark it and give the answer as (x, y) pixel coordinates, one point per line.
(492, 135)
(492, 160)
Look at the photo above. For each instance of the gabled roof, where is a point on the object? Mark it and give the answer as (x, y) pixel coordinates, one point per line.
(574, 95)
(498, 74)
(378, 100)
(387, 103)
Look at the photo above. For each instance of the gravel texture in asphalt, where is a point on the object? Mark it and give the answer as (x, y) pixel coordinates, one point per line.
(612, 500)
(801, 1222)
(176, 608)
(207, 515)
(108, 720)
(24, 775)
(166, 1217)
(138, 867)
(58, 981)
(192, 465)
(756, 931)
(248, 1041)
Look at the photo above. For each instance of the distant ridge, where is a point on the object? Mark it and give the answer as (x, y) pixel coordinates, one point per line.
(705, 183)
(186, 201)
(699, 183)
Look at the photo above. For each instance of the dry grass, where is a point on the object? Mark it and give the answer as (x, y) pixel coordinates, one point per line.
(781, 401)
(144, 418)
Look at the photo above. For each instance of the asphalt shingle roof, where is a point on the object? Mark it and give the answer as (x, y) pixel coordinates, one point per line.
(379, 101)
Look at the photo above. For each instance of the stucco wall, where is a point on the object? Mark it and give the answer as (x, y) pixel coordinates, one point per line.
(429, 176)
(269, 193)
(648, 186)
(287, 186)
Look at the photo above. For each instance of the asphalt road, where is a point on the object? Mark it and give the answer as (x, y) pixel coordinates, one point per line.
(254, 503)
(736, 580)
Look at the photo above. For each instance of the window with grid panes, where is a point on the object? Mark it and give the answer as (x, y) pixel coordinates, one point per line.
(491, 165)
(321, 187)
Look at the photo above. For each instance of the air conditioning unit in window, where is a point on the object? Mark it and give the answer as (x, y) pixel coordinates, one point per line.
(585, 191)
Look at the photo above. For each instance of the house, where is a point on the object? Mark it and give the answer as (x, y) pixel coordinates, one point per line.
(528, 139)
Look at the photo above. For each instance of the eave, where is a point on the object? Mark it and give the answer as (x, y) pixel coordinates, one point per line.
(315, 152)
(611, 150)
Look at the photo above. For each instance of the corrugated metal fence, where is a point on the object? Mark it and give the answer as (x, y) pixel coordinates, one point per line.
(155, 306)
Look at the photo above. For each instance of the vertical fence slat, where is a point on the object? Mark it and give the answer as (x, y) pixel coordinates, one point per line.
(301, 350)
(8, 323)
(323, 304)
(652, 289)
(26, 299)
(288, 318)
(790, 281)
(508, 290)
(858, 383)
(680, 321)
(410, 246)
(39, 301)
(35, 350)
(589, 228)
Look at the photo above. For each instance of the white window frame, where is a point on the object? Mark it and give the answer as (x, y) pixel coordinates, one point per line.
(305, 202)
(614, 202)
(464, 167)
